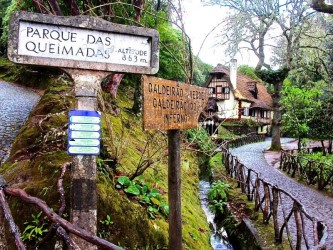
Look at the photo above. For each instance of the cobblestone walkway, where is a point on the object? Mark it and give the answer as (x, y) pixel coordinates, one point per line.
(16, 103)
(315, 203)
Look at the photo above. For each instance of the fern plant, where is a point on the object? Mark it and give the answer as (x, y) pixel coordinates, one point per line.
(218, 197)
(35, 229)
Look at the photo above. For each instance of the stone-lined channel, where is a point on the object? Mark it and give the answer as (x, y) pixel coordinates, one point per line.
(218, 238)
(16, 103)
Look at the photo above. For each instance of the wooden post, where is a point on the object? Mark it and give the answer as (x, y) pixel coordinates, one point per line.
(299, 229)
(174, 184)
(160, 98)
(84, 167)
(275, 215)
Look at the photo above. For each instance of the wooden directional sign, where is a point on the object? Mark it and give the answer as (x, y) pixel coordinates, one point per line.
(84, 132)
(171, 105)
(82, 42)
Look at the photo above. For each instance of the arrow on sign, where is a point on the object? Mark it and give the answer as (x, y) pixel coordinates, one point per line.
(84, 119)
(85, 135)
(84, 150)
(84, 142)
(85, 127)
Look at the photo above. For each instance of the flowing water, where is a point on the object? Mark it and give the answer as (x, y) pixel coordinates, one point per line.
(218, 238)
(16, 103)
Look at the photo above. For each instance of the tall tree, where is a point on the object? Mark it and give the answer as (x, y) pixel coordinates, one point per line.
(300, 106)
(320, 126)
(247, 26)
(257, 20)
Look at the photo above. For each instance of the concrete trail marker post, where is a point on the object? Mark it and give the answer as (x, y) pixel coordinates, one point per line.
(172, 106)
(88, 49)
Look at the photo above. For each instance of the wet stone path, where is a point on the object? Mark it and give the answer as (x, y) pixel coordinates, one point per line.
(315, 203)
(16, 103)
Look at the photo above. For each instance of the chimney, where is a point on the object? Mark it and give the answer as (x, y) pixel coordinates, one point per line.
(233, 73)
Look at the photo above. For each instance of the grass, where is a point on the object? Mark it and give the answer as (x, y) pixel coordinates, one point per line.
(225, 134)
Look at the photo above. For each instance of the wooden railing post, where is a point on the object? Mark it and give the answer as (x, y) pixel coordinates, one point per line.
(267, 204)
(275, 193)
(299, 228)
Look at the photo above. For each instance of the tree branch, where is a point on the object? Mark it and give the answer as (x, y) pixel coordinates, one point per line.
(8, 215)
(72, 5)
(40, 7)
(55, 8)
(52, 216)
(321, 6)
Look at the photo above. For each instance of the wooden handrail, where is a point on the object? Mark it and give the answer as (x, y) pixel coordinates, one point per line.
(244, 140)
(311, 171)
(270, 200)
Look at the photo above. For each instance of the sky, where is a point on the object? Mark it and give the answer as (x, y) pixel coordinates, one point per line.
(199, 20)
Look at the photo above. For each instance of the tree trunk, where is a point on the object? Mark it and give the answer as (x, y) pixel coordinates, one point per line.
(299, 144)
(261, 47)
(276, 123)
(137, 105)
(40, 7)
(261, 54)
(74, 8)
(329, 150)
(55, 7)
(323, 147)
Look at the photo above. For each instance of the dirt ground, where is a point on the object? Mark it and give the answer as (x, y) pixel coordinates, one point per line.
(273, 157)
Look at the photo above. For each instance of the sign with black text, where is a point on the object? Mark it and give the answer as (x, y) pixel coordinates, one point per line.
(171, 105)
(82, 42)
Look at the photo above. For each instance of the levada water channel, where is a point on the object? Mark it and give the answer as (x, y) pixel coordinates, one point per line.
(16, 103)
(218, 238)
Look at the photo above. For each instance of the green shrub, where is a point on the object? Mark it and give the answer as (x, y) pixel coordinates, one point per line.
(151, 198)
(218, 197)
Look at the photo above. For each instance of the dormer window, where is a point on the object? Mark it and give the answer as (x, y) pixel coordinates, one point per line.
(252, 87)
(219, 76)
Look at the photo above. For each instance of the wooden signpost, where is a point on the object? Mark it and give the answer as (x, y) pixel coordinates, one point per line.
(82, 42)
(88, 49)
(172, 106)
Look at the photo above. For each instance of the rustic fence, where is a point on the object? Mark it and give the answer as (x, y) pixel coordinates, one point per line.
(311, 171)
(245, 140)
(290, 220)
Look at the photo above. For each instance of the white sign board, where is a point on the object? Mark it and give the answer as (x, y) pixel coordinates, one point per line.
(82, 42)
(61, 42)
